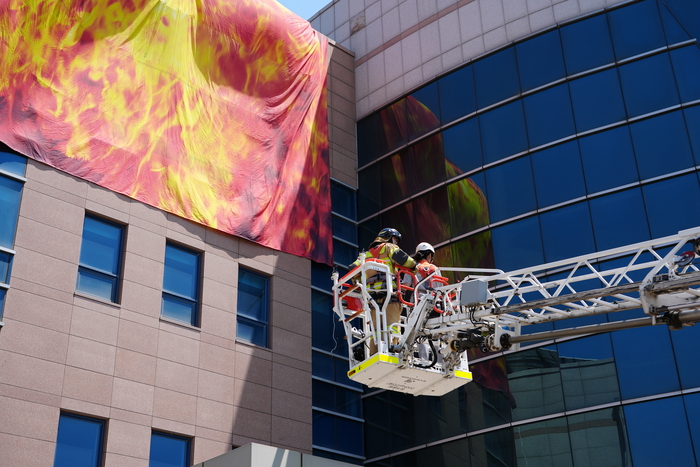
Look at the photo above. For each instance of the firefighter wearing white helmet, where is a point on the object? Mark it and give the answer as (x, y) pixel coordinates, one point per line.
(425, 253)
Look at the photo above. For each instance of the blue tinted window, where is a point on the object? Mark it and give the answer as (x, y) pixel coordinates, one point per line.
(79, 442)
(558, 175)
(599, 438)
(684, 348)
(636, 29)
(343, 253)
(344, 229)
(588, 372)
(597, 100)
(634, 372)
(611, 149)
(2, 300)
(343, 199)
(368, 194)
(686, 67)
(401, 218)
(692, 407)
(547, 443)
(495, 448)
(610, 212)
(495, 124)
(5, 259)
(426, 164)
(665, 416)
(181, 284)
(661, 145)
(518, 245)
(675, 32)
(540, 60)
(462, 145)
(496, 78)
(648, 85)
(423, 111)
(10, 193)
(510, 189)
(381, 132)
(337, 399)
(337, 433)
(13, 163)
(253, 307)
(326, 332)
(666, 215)
(692, 119)
(169, 451)
(567, 232)
(549, 116)
(535, 381)
(587, 44)
(100, 258)
(457, 96)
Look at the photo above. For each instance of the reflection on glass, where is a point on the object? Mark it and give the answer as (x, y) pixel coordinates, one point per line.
(13, 163)
(558, 174)
(588, 372)
(496, 77)
(468, 205)
(600, 439)
(666, 416)
(543, 443)
(535, 382)
(369, 193)
(489, 398)
(648, 85)
(457, 96)
(597, 100)
(343, 199)
(382, 132)
(432, 212)
(423, 102)
(540, 60)
(666, 215)
(663, 138)
(675, 32)
(403, 219)
(686, 67)
(636, 29)
(611, 149)
(462, 146)
(587, 44)
(426, 165)
(495, 448)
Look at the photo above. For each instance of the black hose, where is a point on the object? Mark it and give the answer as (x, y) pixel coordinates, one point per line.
(435, 358)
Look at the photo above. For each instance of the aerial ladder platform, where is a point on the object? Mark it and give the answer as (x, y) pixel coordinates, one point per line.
(425, 352)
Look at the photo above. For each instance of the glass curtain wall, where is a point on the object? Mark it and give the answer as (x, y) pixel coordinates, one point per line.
(582, 138)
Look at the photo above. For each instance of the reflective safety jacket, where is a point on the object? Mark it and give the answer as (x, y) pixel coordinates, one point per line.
(423, 270)
(392, 255)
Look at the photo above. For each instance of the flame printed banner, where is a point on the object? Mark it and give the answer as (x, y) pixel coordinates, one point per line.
(214, 110)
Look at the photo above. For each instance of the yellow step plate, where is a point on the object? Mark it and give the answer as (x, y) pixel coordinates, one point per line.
(383, 371)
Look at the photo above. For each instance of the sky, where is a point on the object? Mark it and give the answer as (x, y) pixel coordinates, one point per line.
(305, 8)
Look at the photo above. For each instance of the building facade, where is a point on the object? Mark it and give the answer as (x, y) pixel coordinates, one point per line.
(510, 134)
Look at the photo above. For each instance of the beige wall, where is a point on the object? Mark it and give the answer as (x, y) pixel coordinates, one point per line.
(63, 351)
(341, 115)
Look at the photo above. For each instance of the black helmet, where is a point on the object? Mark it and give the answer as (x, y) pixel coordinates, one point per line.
(385, 235)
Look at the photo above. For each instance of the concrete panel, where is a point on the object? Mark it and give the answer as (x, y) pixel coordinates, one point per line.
(132, 396)
(176, 377)
(175, 406)
(91, 355)
(30, 372)
(135, 366)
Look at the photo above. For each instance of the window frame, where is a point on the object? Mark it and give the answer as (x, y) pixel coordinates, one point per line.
(196, 303)
(186, 439)
(100, 454)
(267, 300)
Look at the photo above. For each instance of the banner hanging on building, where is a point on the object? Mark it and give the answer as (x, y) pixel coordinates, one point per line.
(214, 110)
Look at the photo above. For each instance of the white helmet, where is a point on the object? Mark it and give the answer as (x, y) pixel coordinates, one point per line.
(424, 247)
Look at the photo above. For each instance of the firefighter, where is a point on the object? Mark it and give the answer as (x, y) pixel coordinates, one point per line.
(425, 253)
(385, 247)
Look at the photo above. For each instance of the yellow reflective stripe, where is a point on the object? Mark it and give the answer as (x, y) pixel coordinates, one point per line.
(372, 360)
(463, 374)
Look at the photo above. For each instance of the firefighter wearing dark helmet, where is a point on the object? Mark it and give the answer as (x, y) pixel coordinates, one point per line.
(386, 248)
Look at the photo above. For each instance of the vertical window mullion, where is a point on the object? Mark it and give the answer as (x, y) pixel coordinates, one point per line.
(101, 252)
(181, 284)
(253, 309)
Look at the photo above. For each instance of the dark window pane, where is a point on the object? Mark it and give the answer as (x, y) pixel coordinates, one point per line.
(2, 301)
(636, 29)
(381, 132)
(567, 232)
(457, 96)
(326, 332)
(692, 119)
(5, 259)
(611, 149)
(510, 189)
(535, 381)
(97, 284)
(496, 448)
(587, 44)
(692, 407)
(101, 247)
(343, 199)
(518, 244)
(13, 163)
(684, 347)
(368, 194)
(462, 146)
(321, 276)
(395, 178)
(468, 206)
(432, 213)
(609, 213)
(403, 219)
(368, 231)
(686, 67)
(181, 274)
(496, 78)
(597, 100)
(423, 111)
(253, 307)
(337, 399)
(665, 416)
(648, 85)
(599, 438)
(540, 60)
(337, 433)
(369, 133)
(344, 253)
(558, 174)
(344, 229)
(588, 372)
(426, 164)
(634, 372)
(503, 132)
(475, 251)
(543, 443)
(10, 192)
(489, 399)
(322, 365)
(179, 309)
(667, 216)
(661, 145)
(549, 116)
(79, 442)
(675, 32)
(169, 451)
